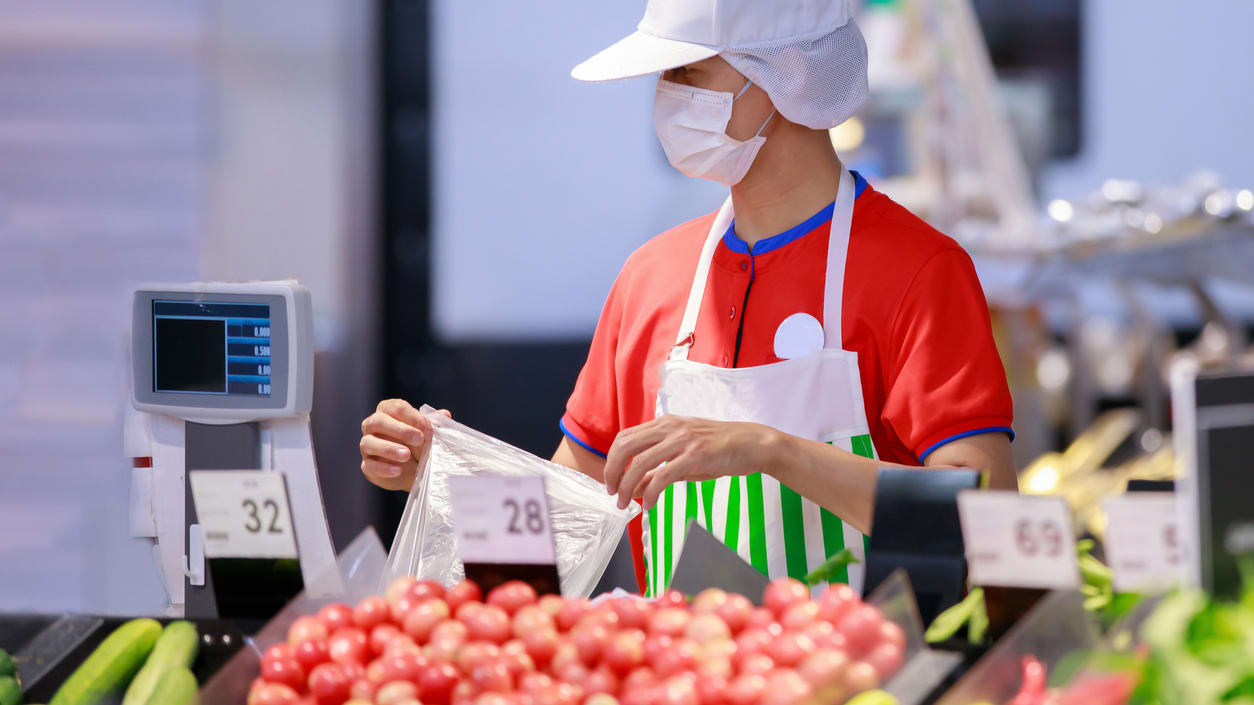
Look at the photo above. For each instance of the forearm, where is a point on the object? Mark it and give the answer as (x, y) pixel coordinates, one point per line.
(839, 481)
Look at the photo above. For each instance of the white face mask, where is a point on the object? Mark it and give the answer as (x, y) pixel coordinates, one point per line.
(692, 125)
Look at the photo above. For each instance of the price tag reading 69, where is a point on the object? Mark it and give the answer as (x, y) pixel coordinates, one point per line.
(1014, 540)
(501, 520)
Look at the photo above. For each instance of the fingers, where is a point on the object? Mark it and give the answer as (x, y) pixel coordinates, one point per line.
(389, 476)
(405, 412)
(625, 446)
(646, 461)
(658, 480)
(387, 426)
(384, 450)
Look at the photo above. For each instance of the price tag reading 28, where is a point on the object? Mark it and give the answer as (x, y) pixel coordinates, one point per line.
(1015, 540)
(501, 520)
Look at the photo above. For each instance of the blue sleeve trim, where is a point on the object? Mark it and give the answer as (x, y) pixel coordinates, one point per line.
(966, 434)
(562, 425)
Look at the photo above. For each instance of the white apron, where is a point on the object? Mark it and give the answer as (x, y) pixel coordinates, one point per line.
(818, 396)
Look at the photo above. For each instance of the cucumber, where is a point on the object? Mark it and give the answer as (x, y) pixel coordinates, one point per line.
(10, 691)
(176, 648)
(177, 687)
(111, 666)
(7, 667)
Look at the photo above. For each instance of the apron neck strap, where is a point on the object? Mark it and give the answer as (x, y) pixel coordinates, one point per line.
(837, 249)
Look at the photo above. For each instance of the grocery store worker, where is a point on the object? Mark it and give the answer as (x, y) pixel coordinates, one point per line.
(753, 368)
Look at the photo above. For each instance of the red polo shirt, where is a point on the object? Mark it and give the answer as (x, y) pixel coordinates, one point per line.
(913, 310)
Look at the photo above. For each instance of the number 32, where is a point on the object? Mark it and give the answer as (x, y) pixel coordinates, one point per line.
(253, 525)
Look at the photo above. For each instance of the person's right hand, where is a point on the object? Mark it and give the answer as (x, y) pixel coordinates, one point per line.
(391, 443)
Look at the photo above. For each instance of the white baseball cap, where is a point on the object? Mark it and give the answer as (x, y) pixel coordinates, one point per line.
(808, 55)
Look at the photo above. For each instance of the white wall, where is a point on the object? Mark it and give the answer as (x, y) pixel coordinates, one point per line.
(1168, 89)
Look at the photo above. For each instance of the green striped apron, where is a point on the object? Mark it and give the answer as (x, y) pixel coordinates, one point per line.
(816, 395)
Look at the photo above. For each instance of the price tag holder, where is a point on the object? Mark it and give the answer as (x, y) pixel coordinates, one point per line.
(1020, 541)
(504, 530)
(1143, 542)
(243, 513)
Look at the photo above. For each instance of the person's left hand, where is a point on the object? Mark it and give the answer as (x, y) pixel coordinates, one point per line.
(691, 448)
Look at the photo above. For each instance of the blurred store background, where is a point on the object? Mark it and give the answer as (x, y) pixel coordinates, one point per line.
(459, 207)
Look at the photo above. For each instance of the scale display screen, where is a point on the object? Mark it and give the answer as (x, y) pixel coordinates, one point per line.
(207, 347)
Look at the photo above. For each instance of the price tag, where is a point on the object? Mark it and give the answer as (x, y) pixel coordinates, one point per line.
(501, 520)
(244, 513)
(1014, 540)
(1143, 542)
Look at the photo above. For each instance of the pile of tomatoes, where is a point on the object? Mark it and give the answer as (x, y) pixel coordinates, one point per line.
(422, 644)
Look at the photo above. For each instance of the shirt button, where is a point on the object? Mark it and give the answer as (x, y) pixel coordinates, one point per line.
(744, 266)
(724, 361)
(732, 315)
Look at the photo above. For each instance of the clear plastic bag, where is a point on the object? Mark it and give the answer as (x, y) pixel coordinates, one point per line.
(587, 523)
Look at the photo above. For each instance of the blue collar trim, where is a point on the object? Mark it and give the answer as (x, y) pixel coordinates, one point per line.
(735, 244)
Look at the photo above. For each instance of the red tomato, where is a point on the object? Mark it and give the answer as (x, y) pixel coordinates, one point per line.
(354, 671)
(861, 628)
(824, 667)
(424, 617)
(714, 666)
(530, 683)
(712, 689)
(735, 611)
(382, 635)
(395, 693)
(401, 608)
(570, 613)
(838, 600)
(399, 588)
(311, 653)
(492, 675)
(442, 649)
(512, 596)
(670, 621)
(530, 618)
(800, 615)
(785, 687)
(552, 604)
(518, 663)
(347, 645)
(709, 600)
(755, 663)
(638, 679)
(450, 629)
(571, 672)
(370, 613)
(752, 641)
(287, 671)
(601, 699)
(436, 682)
(475, 653)
(589, 641)
(681, 657)
(784, 593)
(304, 629)
(680, 690)
(541, 645)
(336, 616)
(425, 590)
(859, 677)
(633, 613)
(790, 648)
(892, 633)
(706, 627)
(330, 684)
(566, 653)
(624, 651)
(820, 632)
(600, 680)
(402, 667)
(273, 694)
(461, 593)
(760, 617)
(489, 623)
(464, 693)
(492, 699)
(362, 689)
(672, 598)
(402, 643)
(746, 689)
(885, 658)
(281, 650)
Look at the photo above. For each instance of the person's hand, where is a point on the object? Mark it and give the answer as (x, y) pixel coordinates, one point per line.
(691, 448)
(391, 443)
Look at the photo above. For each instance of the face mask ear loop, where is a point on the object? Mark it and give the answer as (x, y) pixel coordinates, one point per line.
(768, 121)
(742, 90)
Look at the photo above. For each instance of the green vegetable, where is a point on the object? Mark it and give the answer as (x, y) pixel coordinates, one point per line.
(177, 687)
(7, 667)
(948, 623)
(111, 666)
(830, 568)
(176, 648)
(977, 627)
(10, 691)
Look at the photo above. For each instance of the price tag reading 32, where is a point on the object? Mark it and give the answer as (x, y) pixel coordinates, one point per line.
(244, 513)
(1014, 540)
(1143, 542)
(501, 520)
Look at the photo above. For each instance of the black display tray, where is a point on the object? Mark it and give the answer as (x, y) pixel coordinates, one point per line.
(219, 641)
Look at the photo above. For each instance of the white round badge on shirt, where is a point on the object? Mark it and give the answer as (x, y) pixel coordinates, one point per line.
(799, 335)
